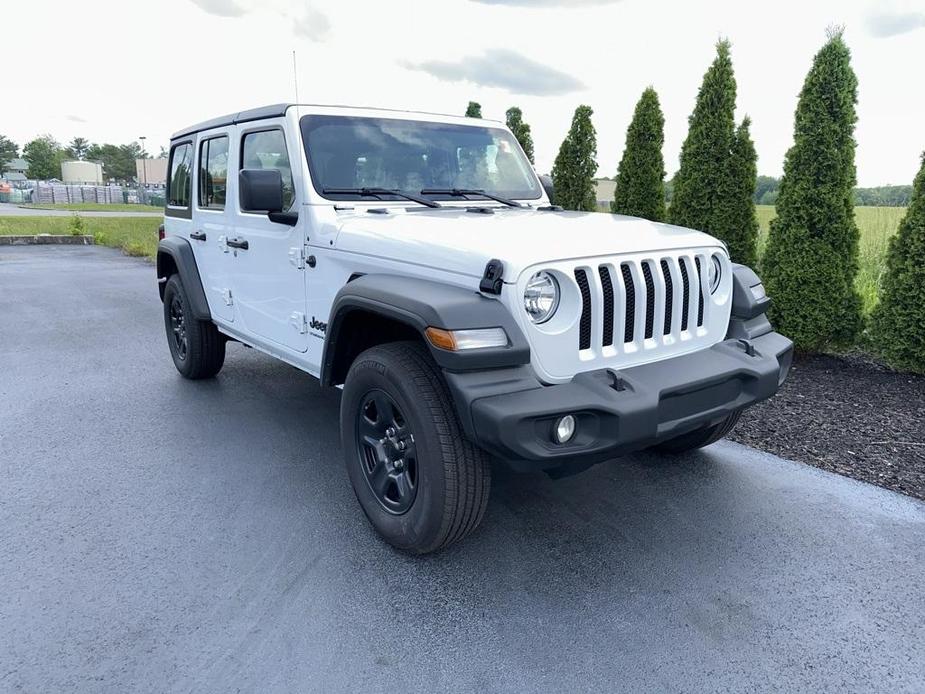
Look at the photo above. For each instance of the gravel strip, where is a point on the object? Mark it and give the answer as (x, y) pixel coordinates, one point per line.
(848, 415)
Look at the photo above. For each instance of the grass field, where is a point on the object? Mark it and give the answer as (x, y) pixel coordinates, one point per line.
(138, 236)
(133, 235)
(96, 207)
(877, 225)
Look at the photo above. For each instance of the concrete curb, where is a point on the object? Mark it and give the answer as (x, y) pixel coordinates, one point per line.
(69, 240)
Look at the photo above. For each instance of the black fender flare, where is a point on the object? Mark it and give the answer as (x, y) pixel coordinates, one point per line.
(750, 304)
(421, 304)
(174, 254)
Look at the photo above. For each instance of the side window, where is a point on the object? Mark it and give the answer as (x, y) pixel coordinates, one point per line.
(213, 172)
(267, 150)
(181, 167)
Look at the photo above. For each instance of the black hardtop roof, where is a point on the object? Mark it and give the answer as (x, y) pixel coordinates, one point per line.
(278, 110)
(272, 111)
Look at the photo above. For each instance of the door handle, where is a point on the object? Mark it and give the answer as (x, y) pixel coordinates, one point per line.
(238, 243)
(198, 235)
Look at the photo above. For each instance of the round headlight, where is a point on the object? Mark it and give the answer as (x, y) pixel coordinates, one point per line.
(541, 297)
(715, 273)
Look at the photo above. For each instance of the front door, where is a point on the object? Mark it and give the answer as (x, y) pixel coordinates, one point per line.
(269, 280)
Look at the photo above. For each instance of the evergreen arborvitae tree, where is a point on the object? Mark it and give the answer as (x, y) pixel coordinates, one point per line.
(575, 165)
(743, 175)
(701, 195)
(811, 260)
(515, 121)
(474, 110)
(640, 184)
(898, 323)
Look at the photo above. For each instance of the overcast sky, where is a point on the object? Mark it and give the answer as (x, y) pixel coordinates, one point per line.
(112, 70)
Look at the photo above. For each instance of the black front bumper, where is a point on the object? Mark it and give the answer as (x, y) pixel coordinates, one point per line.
(511, 415)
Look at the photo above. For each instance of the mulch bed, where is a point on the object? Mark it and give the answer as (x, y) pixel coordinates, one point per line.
(849, 415)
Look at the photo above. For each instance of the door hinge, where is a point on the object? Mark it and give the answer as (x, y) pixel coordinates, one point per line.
(226, 296)
(297, 320)
(297, 258)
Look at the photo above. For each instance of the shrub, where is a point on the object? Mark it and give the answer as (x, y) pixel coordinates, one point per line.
(640, 184)
(812, 254)
(76, 226)
(576, 164)
(742, 233)
(898, 323)
(474, 110)
(515, 121)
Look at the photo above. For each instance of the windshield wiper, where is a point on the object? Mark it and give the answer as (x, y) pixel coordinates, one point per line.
(465, 192)
(379, 192)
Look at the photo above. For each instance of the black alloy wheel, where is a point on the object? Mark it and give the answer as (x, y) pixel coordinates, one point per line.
(386, 452)
(178, 327)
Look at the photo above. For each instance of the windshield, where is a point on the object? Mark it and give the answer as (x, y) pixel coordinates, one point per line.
(347, 152)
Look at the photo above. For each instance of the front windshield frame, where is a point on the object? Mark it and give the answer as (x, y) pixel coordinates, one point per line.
(309, 123)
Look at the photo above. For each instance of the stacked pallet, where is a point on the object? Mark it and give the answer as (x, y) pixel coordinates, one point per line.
(115, 194)
(74, 194)
(44, 194)
(102, 194)
(87, 194)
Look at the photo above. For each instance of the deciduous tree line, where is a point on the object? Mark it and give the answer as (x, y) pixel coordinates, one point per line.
(811, 260)
(44, 155)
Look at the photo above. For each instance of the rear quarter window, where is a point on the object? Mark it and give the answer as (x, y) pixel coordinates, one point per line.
(180, 184)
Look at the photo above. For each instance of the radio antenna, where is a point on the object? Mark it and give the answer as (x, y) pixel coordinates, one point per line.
(295, 77)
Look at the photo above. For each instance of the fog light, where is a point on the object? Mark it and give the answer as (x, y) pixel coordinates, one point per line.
(565, 428)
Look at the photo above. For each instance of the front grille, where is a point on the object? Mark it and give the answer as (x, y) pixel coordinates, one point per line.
(640, 304)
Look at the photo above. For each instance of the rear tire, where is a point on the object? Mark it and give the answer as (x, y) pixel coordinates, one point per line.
(197, 347)
(420, 482)
(700, 437)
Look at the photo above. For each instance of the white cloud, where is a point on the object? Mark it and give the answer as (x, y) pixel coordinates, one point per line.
(505, 69)
(312, 24)
(222, 8)
(885, 24)
(76, 119)
(547, 3)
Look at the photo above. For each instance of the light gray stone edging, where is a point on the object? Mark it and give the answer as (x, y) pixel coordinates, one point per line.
(68, 239)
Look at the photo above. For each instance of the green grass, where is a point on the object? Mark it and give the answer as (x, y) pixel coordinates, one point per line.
(133, 235)
(877, 225)
(97, 207)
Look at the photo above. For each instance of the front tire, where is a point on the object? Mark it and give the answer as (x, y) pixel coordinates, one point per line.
(420, 482)
(698, 438)
(197, 347)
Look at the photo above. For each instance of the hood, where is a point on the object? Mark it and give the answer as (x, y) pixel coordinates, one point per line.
(460, 241)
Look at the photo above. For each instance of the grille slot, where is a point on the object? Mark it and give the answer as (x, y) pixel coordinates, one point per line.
(607, 287)
(584, 336)
(669, 296)
(650, 300)
(699, 292)
(686, 296)
(630, 323)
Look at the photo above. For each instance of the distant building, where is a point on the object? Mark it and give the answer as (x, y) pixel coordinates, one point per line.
(152, 171)
(604, 193)
(82, 172)
(15, 170)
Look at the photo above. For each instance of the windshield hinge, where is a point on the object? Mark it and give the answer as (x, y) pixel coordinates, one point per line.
(297, 258)
(492, 277)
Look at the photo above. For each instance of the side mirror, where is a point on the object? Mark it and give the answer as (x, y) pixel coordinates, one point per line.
(546, 182)
(261, 190)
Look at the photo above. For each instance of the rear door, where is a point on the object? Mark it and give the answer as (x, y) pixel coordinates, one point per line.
(211, 221)
(269, 277)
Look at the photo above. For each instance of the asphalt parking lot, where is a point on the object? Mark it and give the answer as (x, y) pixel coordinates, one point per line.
(162, 535)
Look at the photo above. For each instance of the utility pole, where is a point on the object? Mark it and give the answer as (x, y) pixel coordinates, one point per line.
(144, 169)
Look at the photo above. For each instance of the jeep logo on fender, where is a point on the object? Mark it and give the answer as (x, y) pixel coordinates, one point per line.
(318, 325)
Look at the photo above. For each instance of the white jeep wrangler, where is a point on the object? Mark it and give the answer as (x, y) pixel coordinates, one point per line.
(416, 261)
